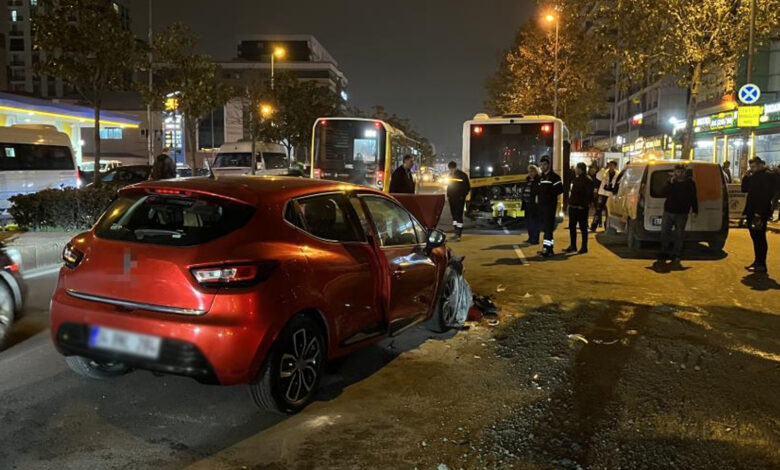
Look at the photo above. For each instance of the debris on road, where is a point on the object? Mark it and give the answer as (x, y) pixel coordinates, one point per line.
(493, 322)
(486, 305)
(578, 337)
(500, 288)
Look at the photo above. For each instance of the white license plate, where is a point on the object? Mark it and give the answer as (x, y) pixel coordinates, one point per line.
(134, 344)
(658, 221)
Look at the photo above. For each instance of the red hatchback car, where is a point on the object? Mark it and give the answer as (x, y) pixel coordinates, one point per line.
(255, 280)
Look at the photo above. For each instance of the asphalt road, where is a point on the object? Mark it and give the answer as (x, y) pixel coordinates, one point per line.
(398, 404)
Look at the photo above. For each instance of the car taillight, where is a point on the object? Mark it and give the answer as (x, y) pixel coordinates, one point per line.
(239, 275)
(318, 173)
(72, 256)
(78, 178)
(13, 267)
(380, 179)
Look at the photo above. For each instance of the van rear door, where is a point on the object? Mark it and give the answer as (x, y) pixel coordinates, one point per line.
(709, 189)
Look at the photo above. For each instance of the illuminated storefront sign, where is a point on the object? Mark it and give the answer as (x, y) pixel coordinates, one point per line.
(716, 122)
(771, 112)
(660, 142)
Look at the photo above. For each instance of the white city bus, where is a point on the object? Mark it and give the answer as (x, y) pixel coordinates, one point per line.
(497, 152)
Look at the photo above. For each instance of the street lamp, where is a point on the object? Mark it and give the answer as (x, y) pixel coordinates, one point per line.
(553, 18)
(278, 53)
(266, 110)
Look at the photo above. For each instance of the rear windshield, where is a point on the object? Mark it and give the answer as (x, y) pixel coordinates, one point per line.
(170, 219)
(35, 157)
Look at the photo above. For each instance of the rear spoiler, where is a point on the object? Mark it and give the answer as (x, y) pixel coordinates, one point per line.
(426, 208)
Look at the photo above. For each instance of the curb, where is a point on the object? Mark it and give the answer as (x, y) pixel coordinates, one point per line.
(38, 251)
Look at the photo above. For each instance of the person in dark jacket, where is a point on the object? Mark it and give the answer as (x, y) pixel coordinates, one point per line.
(681, 199)
(530, 205)
(580, 197)
(402, 181)
(163, 168)
(760, 186)
(727, 171)
(457, 191)
(550, 188)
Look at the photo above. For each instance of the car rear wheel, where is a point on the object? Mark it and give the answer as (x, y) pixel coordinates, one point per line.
(6, 312)
(291, 374)
(98, 370)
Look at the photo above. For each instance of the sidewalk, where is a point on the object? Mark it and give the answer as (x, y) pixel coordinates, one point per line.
(38, 250)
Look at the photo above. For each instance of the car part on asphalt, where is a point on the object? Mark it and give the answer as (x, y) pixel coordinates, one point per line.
(455, 300)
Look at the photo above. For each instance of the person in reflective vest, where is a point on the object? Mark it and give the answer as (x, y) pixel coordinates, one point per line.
(457, 190)
(550, 188)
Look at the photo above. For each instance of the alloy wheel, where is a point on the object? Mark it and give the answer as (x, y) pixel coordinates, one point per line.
(448, 312)
(300, 365)
(6, 312)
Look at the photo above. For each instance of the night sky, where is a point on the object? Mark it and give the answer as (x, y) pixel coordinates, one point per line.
(426, 60)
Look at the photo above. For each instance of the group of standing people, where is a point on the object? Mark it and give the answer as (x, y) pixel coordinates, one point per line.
(540, 202)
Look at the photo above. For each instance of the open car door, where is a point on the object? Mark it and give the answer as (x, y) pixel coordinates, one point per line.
(426, 208)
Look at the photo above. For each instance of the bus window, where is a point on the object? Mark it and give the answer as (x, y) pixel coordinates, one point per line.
(508, 149)
(350, 150)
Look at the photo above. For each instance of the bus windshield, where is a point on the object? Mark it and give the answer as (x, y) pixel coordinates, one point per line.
(349, 150)
(508, 149)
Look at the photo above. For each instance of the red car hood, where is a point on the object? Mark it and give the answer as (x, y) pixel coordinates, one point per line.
(426, 208)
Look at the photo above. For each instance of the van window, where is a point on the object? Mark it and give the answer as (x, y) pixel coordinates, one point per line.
(21, 157)
(275, 160)
(171, 220)
(225, 160)
(658, 182)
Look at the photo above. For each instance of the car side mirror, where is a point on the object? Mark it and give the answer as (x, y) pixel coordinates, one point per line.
(436, 238)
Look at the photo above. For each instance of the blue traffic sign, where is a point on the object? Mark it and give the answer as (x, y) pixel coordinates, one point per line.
(749, 93)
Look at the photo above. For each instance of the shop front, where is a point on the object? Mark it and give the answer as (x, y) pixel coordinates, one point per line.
(659, 146)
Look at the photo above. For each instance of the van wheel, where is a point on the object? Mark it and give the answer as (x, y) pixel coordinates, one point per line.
(96, 370)
(717, 245)
(632, 241)
(291, 374)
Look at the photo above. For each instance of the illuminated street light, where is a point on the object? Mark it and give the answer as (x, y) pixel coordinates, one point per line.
(278, 53)
(266, 110)
(553, 18)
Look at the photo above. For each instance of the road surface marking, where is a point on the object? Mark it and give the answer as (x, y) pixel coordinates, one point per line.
(35, 273)
(520, 255)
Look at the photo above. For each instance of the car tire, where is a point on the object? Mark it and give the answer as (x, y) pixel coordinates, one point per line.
(95, 370)
(7, 312)
(291, 374)
(631, 240)
(443, 314)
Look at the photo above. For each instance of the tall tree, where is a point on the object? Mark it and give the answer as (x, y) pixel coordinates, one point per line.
(685, 39)
(193, 77)
(525, 80)
(85, 44)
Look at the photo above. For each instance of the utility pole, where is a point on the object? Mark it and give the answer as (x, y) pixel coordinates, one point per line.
(149, 123)
(555, 79)
(749, 74)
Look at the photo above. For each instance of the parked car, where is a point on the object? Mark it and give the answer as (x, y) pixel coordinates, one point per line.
(235, 158)
(33, 158)
(87, 169)
(637, 207)
(186, 172)
(247, 280)
(126, 175)
(11, 291)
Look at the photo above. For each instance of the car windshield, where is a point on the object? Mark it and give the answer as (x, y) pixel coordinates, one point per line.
(226, 160)
(179, 220)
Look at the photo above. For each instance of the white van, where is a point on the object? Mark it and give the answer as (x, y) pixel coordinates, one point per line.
(638, 206)
(235, 159)
(32, 158)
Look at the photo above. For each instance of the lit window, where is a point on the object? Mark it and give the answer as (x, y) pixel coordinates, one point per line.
(33, 2)
(111, 133)
(13, 15)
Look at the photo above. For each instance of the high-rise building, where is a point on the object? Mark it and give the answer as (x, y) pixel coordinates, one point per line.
(21, 54)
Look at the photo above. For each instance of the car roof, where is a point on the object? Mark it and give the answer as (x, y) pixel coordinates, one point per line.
(252, 189)
(671, 162)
